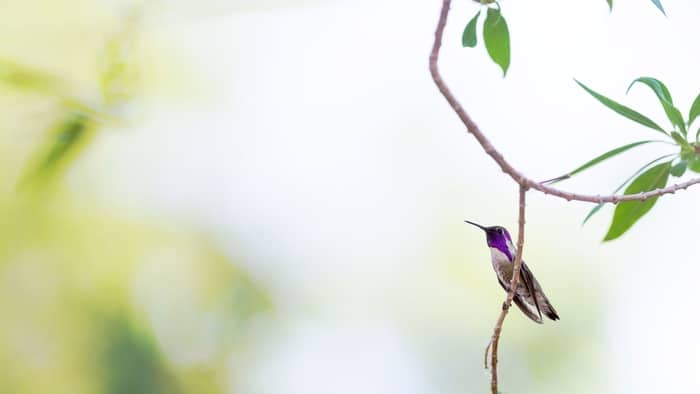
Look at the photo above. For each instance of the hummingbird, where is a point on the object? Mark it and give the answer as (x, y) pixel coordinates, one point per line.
(529, 294)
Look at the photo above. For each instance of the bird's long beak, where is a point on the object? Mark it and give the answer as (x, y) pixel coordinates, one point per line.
(474, 224)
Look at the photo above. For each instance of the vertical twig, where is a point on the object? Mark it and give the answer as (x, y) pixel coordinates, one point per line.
(511, 293)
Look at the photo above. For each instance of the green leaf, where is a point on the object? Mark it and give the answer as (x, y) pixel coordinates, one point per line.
(679, 169)
(694, 163)
(658, 5)
(657, 86)
(63, 144)
(664, 96)
(622, 110)
(592, 212)
(680, 140)
(603, 157)
(694, 110)
(674, 115)
(24, 77)
(497, 38)
(69, 135)
(627, 213)
(469, 35)
(639, 171)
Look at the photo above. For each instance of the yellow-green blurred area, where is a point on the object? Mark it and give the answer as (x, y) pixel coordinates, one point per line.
(267, 197)
(93, 303)
(91, 300)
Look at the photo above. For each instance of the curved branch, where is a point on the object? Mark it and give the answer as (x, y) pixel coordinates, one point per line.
(517, 176)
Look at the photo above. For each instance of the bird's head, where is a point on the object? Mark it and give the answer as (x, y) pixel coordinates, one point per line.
(496, 237)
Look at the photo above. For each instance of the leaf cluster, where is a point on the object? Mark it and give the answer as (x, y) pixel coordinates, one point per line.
(656, 173)
(77, 119)
(651, 176)
(496, 34)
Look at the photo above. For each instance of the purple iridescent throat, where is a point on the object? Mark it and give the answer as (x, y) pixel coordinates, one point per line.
(499, 241)
(496, 237)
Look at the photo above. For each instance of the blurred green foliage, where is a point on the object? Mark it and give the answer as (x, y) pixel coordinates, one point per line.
(129, 361)
(91, 301)
(81, 294)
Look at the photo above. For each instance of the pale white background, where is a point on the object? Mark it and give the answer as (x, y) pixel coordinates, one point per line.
(320, 154)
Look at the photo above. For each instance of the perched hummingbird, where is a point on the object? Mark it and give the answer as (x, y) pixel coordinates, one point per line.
(529, 290)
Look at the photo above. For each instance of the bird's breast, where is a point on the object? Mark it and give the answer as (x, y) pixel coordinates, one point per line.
(501, 264)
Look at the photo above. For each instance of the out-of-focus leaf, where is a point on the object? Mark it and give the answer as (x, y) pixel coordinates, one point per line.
(664, 96)
(658, 5)
(622, 110)
(627, 213)
(679, 169)
(639, 171)
(497, 38)
(118, 78)
(64, 143)
(130, 361)
(602, 158)
(25, 77)
(694, 110)
(610, 4)
(469, 35)
(68, 136)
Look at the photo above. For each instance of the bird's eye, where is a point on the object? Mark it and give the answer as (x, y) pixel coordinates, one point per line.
(500, 231)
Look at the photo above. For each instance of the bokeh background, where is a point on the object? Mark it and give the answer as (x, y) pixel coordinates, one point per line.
(266, 197)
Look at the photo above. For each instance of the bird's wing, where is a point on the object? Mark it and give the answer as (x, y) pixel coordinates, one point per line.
(526, 310)
(521, 305)
(529, 282)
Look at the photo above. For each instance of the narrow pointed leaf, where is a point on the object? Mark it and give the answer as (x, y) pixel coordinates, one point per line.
(64, 143)
(592, 212)
(622, 110)
(657, 86)
(680, 140)
(675, 116)
(610, 4)
(70, 134)
(658, 5)
(497, 38)
(627, 213)
(24, 77)
(664, 96)
(679, 169)
(469, 35)
(694, 110)
(603, 157)
(639, 171)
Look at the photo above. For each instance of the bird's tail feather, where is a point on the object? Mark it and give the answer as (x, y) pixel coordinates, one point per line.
(549, 311)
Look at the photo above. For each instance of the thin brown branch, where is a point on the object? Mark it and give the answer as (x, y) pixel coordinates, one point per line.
(511, 293)
(517, 176)
(486, 354)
